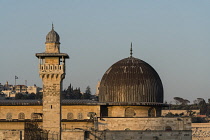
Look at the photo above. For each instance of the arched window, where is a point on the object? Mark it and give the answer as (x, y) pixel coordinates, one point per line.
(151, 112)
(91, 115)
(21, 116)
(70, 116)
(9, 116)
(80, 116)
(168, 128)
(34, 116)
(129, 112)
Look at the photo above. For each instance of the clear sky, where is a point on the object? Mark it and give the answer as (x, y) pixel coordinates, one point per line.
(172, 36)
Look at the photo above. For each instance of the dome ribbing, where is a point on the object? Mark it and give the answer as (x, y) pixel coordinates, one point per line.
(131, 80)
(52, 37)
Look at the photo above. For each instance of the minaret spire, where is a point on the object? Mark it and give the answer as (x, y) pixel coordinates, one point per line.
(131, 50)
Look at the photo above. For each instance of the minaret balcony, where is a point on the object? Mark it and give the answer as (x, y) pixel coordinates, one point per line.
(52, 68)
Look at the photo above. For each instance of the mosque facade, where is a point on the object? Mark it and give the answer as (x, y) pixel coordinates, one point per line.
(129, 107)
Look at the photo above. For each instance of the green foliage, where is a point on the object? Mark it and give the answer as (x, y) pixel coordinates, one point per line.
(72, 93)
(19, 96)
(32, 96)
(198, 120)
(87, 93)
(170, 114)
(181, 101)
(39, 95)
(203, 106)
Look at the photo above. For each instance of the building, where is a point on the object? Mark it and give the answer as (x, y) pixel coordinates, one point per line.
(33, 89)
(20, 88)
(129, 106)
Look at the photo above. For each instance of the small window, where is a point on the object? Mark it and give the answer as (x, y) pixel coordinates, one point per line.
(34, 116)
(151, 112)
(80, 116)
(129, 112)
(70, 116)
(91, 115)
(21, 116)
(168, 128)
(9, 116)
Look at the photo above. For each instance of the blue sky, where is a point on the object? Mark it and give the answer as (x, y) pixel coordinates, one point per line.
(172, 36)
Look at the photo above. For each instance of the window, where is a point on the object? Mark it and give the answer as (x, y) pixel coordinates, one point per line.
(168, 128)
(151, 112)
(9, 116)
(91, 115)
(34, 116)
(21, 116)
(70, 116)
(129, 112)
(80, 116)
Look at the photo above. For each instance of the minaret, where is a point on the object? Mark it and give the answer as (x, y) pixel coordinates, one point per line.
(52, 73)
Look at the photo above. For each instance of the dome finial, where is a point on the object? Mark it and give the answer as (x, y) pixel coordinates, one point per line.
(52, 36)
(131, 50)
(52, 26)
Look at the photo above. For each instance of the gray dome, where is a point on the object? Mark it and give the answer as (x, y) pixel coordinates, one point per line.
(131, 80)
(52, 37)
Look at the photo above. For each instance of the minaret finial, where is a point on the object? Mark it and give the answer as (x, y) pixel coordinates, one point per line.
(131, 50)
(52, 26)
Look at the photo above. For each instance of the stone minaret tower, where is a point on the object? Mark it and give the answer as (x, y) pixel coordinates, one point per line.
(52, 73)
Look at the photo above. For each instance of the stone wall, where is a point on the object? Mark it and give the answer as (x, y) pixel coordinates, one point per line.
(119, 111)
(11, 125)
(127, 135)
(15, 110)
(11, 134)
(28, 110)
(201, 131)
(79, 109)
(145, 135)
(66, 126)
(73, 135)
(144, 123)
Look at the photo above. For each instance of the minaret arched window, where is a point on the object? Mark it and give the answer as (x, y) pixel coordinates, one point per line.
(9, 116)
(70, 116)
(21, 116)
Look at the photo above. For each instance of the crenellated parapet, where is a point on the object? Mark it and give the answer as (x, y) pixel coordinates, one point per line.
(52, 76)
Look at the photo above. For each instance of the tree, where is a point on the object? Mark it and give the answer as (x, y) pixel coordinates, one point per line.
(87, 93)
(181, 101)
(39, 95)
(19, 96)
(202, 105)
(32, 96)
(76, 94)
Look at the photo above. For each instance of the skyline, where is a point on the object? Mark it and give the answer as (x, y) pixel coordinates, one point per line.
(173, 37)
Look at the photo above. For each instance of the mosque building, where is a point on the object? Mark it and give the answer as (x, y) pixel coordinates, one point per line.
(129, 107)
